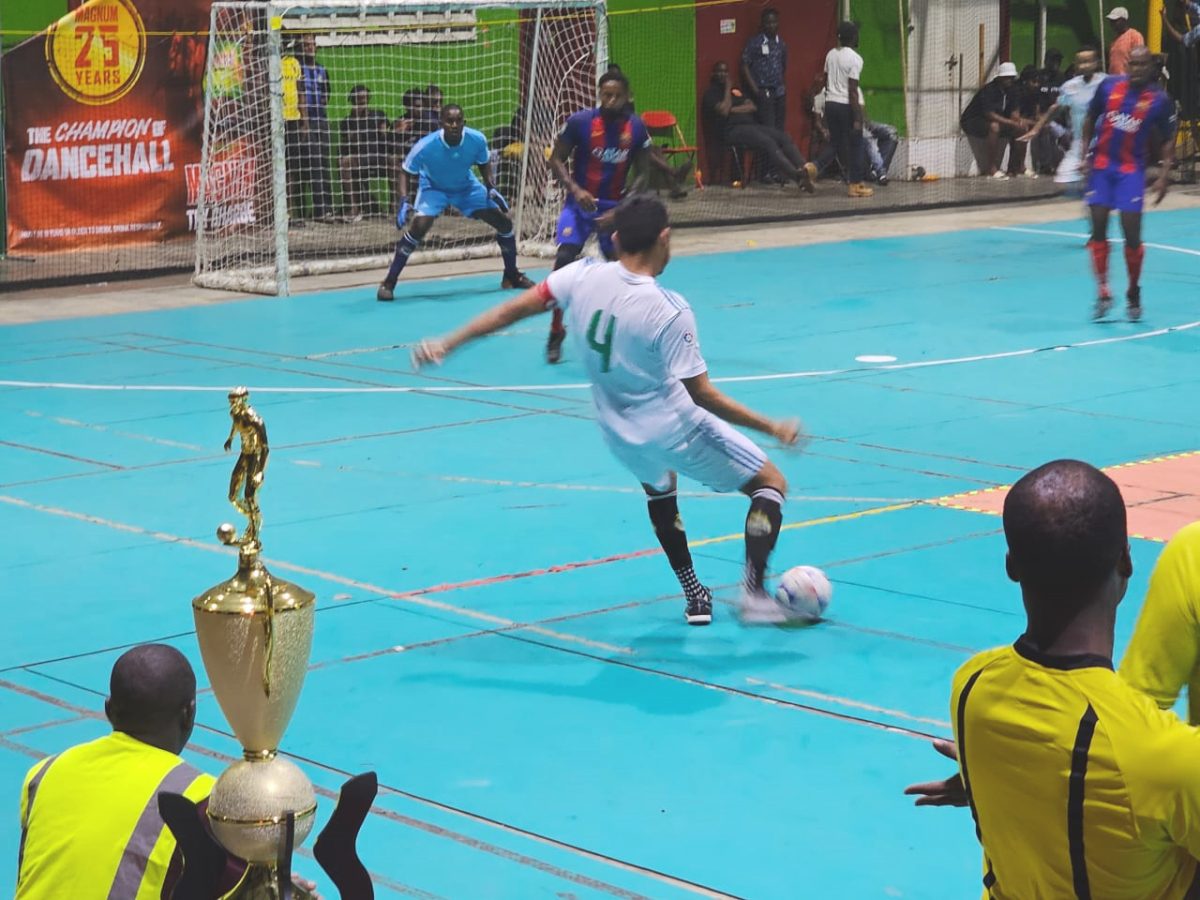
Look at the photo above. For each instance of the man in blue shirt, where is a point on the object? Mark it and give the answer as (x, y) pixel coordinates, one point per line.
(602, 144)
(314, 97)
(764, 67)
(444, 160)
(1133, 123)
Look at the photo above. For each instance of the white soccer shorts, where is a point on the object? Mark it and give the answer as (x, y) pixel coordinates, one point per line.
(715, 454)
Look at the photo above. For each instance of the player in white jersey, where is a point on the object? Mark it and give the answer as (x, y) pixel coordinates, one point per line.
(657, 409)
(1075, 96)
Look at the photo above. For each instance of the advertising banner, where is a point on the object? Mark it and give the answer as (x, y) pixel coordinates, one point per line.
(104, 124)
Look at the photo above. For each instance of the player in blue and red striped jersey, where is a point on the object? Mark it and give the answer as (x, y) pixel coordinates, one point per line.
(602, 144)
(1130, 118)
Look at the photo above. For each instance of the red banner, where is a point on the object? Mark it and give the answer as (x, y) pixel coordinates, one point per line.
(104, 124)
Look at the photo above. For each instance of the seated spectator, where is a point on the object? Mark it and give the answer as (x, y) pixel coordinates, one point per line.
(1051, 136)
(993, 116)
(879, 142)
(1029, 98)
(1079, 784)
(366, 151)
(731, 116)
(89, 815)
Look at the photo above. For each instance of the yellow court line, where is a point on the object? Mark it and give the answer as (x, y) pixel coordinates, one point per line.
(809, 523)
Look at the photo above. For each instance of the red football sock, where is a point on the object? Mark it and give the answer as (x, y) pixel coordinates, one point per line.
(1133, 262)
(556, 325)
(1099, 251)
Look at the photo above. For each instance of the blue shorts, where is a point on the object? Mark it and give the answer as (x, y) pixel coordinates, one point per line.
(432, 202)
(576, 225)
(1116, 190)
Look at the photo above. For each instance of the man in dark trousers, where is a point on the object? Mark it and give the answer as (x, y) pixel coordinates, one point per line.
(729, 114)
(764, 70)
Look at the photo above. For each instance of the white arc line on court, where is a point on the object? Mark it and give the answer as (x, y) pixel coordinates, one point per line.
(582, 386)
(501, 388)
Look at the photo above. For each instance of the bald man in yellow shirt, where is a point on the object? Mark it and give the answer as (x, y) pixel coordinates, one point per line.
(1079, 784)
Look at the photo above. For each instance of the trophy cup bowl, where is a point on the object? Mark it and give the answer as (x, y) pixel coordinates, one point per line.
(255, 634)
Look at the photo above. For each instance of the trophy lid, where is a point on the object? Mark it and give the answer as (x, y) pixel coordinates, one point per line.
(252, 590)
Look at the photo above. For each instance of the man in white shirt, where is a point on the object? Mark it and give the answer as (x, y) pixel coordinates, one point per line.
(657, 410)
(1075, 95)
(843, 111)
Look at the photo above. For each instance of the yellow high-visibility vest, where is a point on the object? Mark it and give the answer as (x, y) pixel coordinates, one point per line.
(90, 828)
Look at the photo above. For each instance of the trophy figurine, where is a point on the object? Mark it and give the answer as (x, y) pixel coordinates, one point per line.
(255, 633)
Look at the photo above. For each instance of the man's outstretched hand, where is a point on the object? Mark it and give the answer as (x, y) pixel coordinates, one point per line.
(947, 792)
(429, 352)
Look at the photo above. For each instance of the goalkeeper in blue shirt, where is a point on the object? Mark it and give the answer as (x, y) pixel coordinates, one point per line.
(444, 160)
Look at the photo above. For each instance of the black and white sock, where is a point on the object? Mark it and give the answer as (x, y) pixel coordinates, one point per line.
(762, 531)
(668, 527)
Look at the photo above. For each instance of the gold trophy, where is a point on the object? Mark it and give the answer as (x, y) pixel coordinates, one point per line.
(255, 633)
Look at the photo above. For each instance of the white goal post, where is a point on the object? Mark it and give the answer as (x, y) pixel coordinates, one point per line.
(310, 108)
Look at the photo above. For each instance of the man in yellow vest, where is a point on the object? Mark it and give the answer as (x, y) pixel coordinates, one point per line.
(90, 826)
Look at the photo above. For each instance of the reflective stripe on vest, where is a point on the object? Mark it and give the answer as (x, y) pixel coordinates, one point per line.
(149, 826)
(31, 793)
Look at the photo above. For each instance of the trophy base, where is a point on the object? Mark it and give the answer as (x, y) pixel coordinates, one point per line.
(262, 883)
(250, 803)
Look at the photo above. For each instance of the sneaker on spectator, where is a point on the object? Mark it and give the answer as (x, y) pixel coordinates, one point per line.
(858, 189)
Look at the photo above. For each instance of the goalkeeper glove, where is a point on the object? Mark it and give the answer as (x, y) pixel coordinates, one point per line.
(498, 199)
(403, 213)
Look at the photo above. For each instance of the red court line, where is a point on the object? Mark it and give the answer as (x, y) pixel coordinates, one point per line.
(419, 824)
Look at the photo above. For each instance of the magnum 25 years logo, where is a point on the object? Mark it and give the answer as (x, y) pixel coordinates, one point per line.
(96, 53)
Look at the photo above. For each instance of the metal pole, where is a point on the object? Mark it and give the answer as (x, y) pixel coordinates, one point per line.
(529, 106)
(1041, 35)
(1100, 34)
(278, 151)
(3, 156)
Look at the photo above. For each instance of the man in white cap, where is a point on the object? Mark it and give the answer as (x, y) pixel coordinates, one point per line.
(1127, 39)
(994, 116)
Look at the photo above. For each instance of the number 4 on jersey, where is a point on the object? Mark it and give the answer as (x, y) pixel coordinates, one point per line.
(605, 348)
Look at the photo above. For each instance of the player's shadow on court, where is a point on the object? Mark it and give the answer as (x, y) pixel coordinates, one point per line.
(674, 669)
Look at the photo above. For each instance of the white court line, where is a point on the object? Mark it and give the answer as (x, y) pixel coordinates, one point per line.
(582, 386)
(416, 598)
(1076, 234)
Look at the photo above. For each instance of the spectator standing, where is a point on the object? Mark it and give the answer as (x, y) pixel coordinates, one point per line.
(314, 97)
(294, 136)
(843, 110)
(1187, 8)
(1127, 40)
(365, 151)
(764, 68)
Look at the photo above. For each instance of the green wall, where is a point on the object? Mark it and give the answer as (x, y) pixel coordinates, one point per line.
(656, 48)
(478, 75)
(1069, 23)
(879, 43)
(18, 18)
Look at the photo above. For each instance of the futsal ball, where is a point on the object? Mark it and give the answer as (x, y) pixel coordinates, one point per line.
(804, 592)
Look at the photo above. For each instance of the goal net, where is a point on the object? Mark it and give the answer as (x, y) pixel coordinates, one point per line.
(312, 107)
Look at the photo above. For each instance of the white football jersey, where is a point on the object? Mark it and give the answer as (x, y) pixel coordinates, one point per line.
(1076, 95)
(637, 341)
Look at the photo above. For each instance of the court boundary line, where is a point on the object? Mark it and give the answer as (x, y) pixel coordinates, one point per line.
(576, 386)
